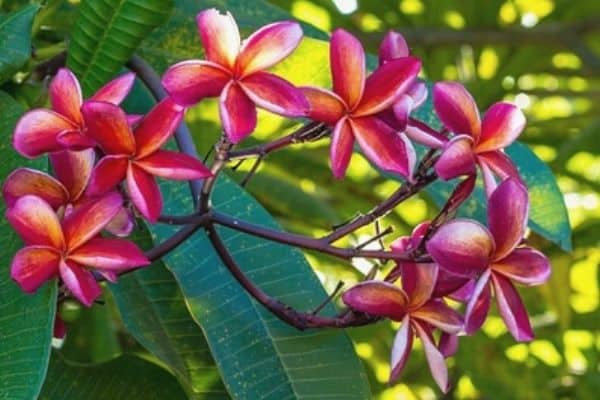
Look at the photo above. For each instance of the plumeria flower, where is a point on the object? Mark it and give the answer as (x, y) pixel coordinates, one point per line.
(69, 247)
(235, 72)
(352, 108)
(495, 257)
(66, 191)
(42, 130)
(136, 156)
(418, 313)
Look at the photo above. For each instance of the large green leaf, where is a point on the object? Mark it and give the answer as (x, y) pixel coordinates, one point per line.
(106, 34)
(25, 320)
(15, 40)
(126, 377)
(154, 312)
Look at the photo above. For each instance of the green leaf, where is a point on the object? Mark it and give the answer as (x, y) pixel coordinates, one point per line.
(106, 34)
(26, 321)
(126, 377)
(154, 312)
(15, 40)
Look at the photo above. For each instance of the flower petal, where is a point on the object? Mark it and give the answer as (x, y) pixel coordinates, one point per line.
(122, 224)
(508, 208)
(107, 125)
(456, 159)
(401, 349)
(73, 169)
(36, 222)
(386, 83)
(32, 266)
(157, 127)
(448, 344)
(435, 359)
(24, 181)
(524, 265)
(268, 46)
(190, 81)
(500, 164)
(238, 113)
(502, 125)
(342, 145)
(489, 180)
(80, 282)
(324, 106)
(36, 132)
(512, 309)
(383, 146)
(107, 174)
(392, 46)
(421, 133)
(348, 68)
(418, 92)
(418, 281)
(89, 218)
(144, 193)
(479, 304)
(65, 95)
(462, 246)
(74, 140)
(60, 328)
(377, 298)
(111, 254)
(401, 110)
(448, 283)
(456, 109)
(220, 37)
(440, 315)
(275, 94)
(115, 91)
(173, 165)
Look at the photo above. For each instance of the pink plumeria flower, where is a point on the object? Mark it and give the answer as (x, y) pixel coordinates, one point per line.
(235, 72)
(418, 313)
(68, 248)
(42, 130)
(65, 192)
(352, 108)
(495, 257)
(136, 156)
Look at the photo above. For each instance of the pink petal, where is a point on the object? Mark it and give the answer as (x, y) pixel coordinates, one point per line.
(110, 254)
(32, 266)
(107, 125)
(418, 281)
(502, 125)
(462, 246)
(401, 109)
(435, 359)
(238, 113)
(377, 298)
(25, 181)
(324, 106)
(500, 164)
(342, 144)
(348, 68)
(448, 344)
(456, 109)
(188, 82)
(73, 169)
(122, 224)
(115, 91)
(107, 174)
(401, 349)
(80, 282)
(448, 283)
(461, 192)
(386, 83)
(74, 140)
(463, 293)
(89, 218)
(479, 304)
(524, 265)
(65, 95)
(420, 133)
(512, 309)
(456, 159)
(268, 46)
(110, 276)
(144, 193)
(275, 94)
(508, 208)
(173, 165)
(392, 46)
(489, 180)
(36, 222)
(157, 127)
(36, 132)
(220, 37)
(134, 119)
(418, 92)
(383, 146)
(440, 315)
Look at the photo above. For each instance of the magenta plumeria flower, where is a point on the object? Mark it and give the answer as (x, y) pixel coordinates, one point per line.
(136, 156)
(67, 248)
(418, 313)
(235, 72)
(42, 130)
(352, 108)
(495, 256)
